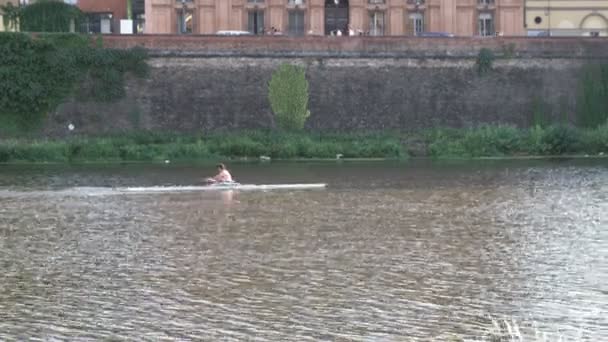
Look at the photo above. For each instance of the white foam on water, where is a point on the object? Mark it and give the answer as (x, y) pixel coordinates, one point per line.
(105, 191)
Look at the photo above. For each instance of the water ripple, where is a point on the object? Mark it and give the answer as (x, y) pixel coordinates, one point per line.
(524, 249)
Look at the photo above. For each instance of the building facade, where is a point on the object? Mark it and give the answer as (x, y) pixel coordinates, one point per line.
(326, 17)
(104, 16)
(566, 17)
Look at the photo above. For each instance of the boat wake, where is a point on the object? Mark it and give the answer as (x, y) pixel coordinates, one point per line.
(105, 191)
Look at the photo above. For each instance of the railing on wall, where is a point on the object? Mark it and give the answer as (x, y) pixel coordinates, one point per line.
(568, 33)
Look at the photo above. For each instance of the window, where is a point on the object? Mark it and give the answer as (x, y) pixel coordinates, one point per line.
(486, 24)
(376, 24)
(296, 23)
(185, 22)
(417, 23)
(97, 23)
(139, 23)
(255, 22)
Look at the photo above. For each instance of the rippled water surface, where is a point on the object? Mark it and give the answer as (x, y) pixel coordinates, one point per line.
(388, 252)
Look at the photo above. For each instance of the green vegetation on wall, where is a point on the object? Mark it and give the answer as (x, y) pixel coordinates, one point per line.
(592, 100)
(37, 74)
(49, 16)
(42, 16)
(288, 95)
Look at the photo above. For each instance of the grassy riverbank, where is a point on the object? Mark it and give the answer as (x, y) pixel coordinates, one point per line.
(500, 141)
(149, 146)
(491, 141)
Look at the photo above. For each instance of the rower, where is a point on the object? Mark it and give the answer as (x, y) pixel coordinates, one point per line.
(223, 175)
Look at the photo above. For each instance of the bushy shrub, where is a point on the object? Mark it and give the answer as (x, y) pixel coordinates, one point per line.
(288, 96)
(189, 151)
(560, 139)
(446, 143)
(142, 152)
(39, 151)
(93, 149)
(596, 140)
(484, 141)
(492, 141)
(238, 147)
(535, 141)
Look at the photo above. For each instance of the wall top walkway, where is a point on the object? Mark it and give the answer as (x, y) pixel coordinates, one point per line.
(361, 47)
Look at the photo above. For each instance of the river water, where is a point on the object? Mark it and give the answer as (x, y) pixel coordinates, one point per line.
(420, 250)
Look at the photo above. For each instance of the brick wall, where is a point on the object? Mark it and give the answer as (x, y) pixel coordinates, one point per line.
(118, 8)
(407, 47)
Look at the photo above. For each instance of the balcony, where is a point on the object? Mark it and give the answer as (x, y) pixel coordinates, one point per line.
(184, 3)
(415, 5)
(254, 4)
(296, 4)
(484, 5)
(376, 5)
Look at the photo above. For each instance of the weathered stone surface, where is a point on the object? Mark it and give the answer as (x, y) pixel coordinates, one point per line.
(206, 94)
(361, 46)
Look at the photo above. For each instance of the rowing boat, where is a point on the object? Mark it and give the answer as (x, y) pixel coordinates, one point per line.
(223, 186)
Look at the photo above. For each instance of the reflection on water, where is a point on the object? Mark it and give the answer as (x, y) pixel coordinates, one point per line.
(387, 252)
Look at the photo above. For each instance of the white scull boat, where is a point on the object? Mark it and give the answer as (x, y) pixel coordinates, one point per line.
(223, 186)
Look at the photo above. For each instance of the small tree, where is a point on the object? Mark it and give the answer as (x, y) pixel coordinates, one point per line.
(11, 16)
(485, 60)
(129, 10)
(288, 95)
